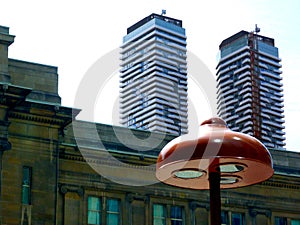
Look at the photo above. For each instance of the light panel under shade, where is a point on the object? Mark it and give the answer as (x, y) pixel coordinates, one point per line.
(231, 168)
(188, 174)
(229, 180)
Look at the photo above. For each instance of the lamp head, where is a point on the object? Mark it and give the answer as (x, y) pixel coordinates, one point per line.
(240, 159)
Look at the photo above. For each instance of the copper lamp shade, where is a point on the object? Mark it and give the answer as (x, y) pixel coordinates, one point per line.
(240, 159)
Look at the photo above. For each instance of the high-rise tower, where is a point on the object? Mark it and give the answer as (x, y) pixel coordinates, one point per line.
(153, 76)
(250, 97)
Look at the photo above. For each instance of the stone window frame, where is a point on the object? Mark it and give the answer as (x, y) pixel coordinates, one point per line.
(168, 204)
(104, 196)
(228, 214)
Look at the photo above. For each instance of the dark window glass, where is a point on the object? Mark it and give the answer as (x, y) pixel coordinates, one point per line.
(26, 185)
(224, 218)
(176, 215)
(280, 221)
(237, 219)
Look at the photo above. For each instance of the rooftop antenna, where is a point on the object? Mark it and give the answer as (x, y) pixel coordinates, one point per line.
(257, 29)
(163, 12)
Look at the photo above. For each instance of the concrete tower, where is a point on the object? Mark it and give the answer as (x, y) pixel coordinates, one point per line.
(250, 97)
(153, 76)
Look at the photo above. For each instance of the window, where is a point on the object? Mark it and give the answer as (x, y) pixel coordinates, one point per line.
(176, 215)
(97, 214)
(237, 219)
(94, 210)
(163, 214)
(159, 214)
(280, 221)
(234, 217)
(224, 218)
(295, 222)
(112, 212)
(26, 185)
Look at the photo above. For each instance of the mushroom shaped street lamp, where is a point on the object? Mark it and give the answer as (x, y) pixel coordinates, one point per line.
(217, 158)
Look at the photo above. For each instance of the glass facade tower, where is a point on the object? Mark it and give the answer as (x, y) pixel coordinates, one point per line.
(153, 76)
(250, 97)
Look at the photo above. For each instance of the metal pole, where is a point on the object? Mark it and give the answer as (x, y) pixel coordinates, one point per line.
(215, 198)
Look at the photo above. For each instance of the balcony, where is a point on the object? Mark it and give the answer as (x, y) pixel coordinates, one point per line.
(266, 138)
(223, 84)
(248, 89)
(280, 132)
(247, 100)
(136, 40)
(262, 88)
(276, 88)
(265, 116)
(271, 62)
(245, 67)
(246, 130)
(280, 105)
(264, 99)
(277, 109)
(222, 78)
(249, 123)
(231, 118)
(273, 124)
(276, 83)
(244, 80)
(231, 55)
(221, 92)
(247, 112)
(231, 101)
(266, 127)
(244, 75)
(230, 91)
(270, 56)
(271, 75)
(244, 118)
(271, 112)
(241, 108)
(278, 137)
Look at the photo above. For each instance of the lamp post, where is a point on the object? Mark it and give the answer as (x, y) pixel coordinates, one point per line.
(217, 159)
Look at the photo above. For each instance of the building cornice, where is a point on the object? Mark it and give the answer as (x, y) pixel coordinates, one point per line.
(43, 113)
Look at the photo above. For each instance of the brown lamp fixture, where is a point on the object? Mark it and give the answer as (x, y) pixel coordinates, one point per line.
(217, 158)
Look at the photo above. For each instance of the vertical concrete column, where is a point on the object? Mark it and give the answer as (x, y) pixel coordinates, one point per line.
(5, 40)
(72, 201)
(137, 208)
(199, 213)
(253, 214)
(260, 216)
(4, 145)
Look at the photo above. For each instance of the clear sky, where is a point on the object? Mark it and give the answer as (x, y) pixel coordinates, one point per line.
(73, 35)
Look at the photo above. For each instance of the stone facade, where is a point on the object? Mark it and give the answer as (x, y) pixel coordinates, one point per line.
(31, 123)
(52, 164)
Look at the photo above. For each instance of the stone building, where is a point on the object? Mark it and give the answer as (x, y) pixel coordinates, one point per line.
(58, 170)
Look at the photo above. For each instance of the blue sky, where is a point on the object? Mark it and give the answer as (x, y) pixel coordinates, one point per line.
(73, 35)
